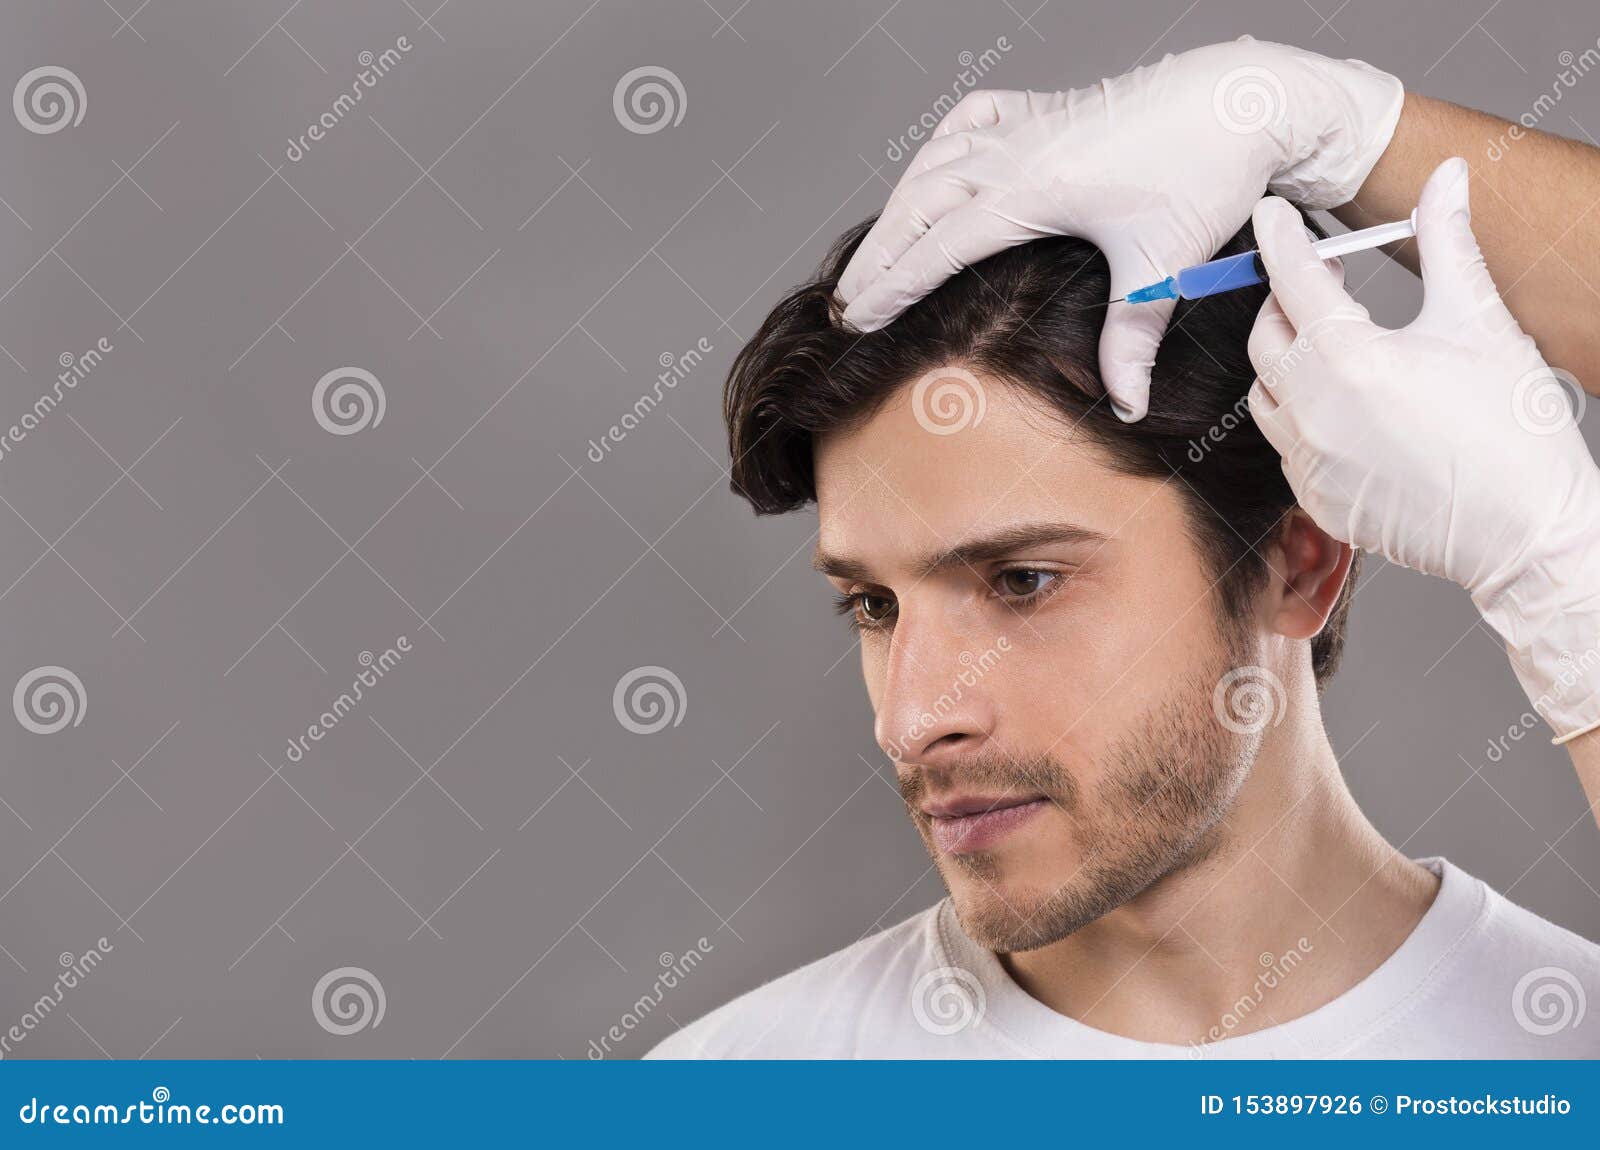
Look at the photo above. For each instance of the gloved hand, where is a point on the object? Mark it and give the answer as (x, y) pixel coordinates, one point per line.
(1158, 168)
(1449, 445)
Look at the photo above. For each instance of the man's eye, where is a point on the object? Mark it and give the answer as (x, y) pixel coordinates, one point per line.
(866, 610)
(1024, 583)
(874, 608)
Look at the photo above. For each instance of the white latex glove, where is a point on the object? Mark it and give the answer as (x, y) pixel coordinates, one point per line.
(1449, 445)
(1158, 168)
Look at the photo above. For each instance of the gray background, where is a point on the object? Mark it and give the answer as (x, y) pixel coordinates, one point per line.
(482, 834)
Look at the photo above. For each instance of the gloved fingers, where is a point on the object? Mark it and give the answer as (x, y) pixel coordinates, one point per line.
(1300, 467)
(1311, 293)
(1456, 283)
(1128, 344)
(956, 240)
(984, 108)
(937, 152)
(915, 207)
(1264, 411)
(1270, 338)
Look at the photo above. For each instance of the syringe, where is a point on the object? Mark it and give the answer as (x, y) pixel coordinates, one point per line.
(1246, 268)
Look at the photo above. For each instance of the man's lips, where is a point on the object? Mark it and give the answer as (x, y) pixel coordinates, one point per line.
(968, 823)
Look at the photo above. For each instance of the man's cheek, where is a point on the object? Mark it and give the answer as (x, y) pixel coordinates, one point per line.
(1068, 703)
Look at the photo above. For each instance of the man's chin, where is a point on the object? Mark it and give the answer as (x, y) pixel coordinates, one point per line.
(1003, 927)
(1002, 913)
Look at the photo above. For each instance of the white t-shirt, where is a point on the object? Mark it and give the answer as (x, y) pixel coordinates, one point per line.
(1479, 977)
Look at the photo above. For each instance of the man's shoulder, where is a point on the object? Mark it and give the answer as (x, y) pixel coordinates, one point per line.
(1515, 932)
(821, 1009)
(1515, 985)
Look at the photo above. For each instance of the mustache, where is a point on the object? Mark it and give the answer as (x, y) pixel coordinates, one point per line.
(992, 774)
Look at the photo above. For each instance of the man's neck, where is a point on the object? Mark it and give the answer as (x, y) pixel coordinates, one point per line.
(1300, 899)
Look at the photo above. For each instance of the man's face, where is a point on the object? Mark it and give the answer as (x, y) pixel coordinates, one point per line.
(1041, 646)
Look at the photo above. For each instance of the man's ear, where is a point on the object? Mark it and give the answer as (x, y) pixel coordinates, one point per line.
(1309, 568)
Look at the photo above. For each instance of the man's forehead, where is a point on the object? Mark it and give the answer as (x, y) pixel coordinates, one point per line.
(900, 473)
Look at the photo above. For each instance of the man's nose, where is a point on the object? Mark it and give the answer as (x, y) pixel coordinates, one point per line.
(936, 705)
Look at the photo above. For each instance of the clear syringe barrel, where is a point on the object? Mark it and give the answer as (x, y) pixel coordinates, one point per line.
(1222, 275)
(1246, 268)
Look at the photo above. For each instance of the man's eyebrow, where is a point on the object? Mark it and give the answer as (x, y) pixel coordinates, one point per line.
(970, 552)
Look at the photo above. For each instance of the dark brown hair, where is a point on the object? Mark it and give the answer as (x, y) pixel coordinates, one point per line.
(1028, 316)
